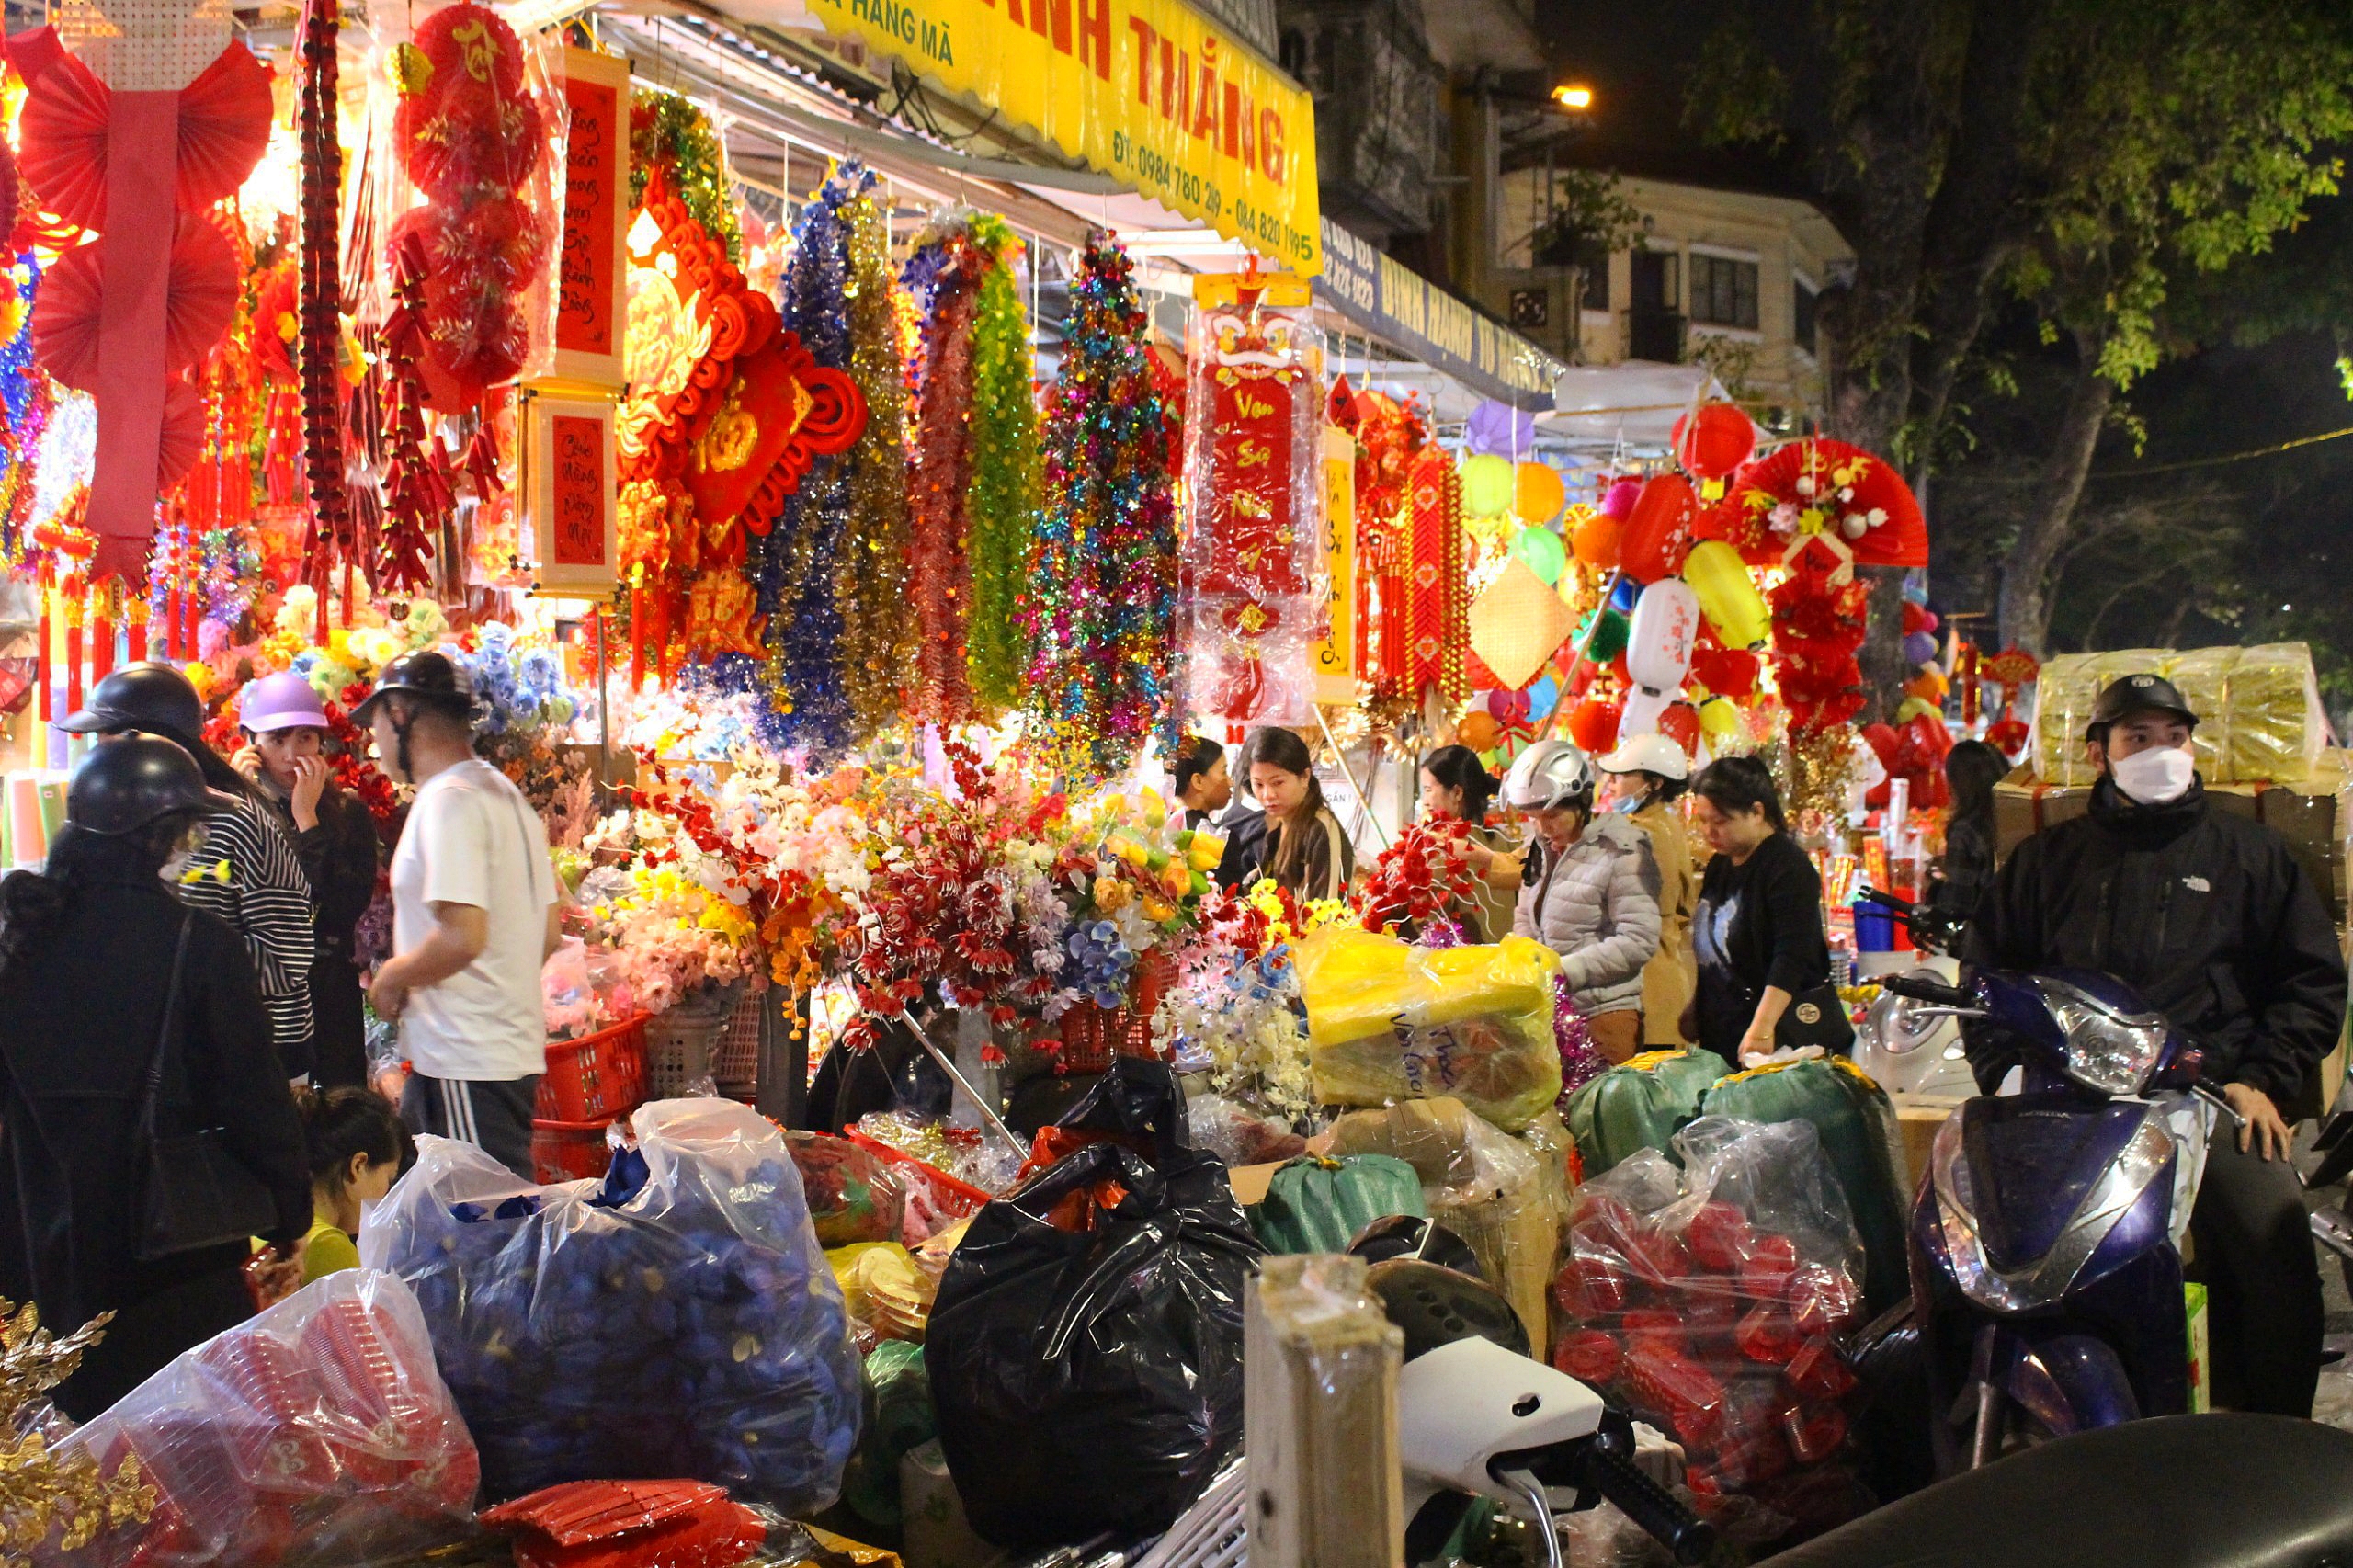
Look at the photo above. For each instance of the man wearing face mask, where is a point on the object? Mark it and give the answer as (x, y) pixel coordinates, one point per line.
(2209, 917)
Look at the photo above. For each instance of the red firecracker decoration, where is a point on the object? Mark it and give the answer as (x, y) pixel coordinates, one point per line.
(334, 539)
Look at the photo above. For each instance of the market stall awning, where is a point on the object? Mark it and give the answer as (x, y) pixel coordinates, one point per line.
(1149, 91)
(1632, 405)
(1397, 305)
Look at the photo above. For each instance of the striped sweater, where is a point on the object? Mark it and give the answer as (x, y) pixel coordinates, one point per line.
(247, 873)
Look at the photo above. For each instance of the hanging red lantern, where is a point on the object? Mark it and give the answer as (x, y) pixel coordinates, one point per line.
(1593, 724)
(1679, 722)
(1658, 535)
(1715, 440)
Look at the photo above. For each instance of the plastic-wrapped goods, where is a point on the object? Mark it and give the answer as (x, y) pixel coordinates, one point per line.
(680, 1322)
(629, 1524)
(898, 1421)
(1709, 1301)
(885, 1294)
(1856, 1121)
(1085, 1349)
(317, 1433)
(2259, 711)
(853, 1194)
(1388, 1021)
(2275, 726)
(1323, 1364)
(1316, 1204)
(1486, 1187)
(2064, 693)
(1639, 1104)
(1239, 1135)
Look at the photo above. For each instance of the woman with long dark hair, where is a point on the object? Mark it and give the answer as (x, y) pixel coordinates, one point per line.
(94, 985)
(1306, 852)
(1965, 875)
(1758, 934)
(1457, 785)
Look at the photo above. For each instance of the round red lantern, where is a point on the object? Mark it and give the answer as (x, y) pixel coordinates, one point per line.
(1715, 440)
(1658, 535)
(1593, 724)
(1679, 722)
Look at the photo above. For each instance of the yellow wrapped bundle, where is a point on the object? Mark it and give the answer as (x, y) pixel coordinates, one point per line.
(1386, 1021)
(2277, 728)
(2204, 678)
(2259, 708)
(2064, 693)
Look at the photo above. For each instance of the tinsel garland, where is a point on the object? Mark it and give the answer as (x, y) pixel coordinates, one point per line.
(1001, 503)
(1821, 771)
(1100, 606)
(670, 132)
(870, 574)
(1580, 1063)
(945, 278)
(801, 557)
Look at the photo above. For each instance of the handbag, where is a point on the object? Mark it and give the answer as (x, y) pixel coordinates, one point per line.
(1816, 1017)
(195, 1192)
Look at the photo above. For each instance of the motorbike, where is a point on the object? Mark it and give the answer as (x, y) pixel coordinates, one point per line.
(2046, 1261)
(1905, 1049)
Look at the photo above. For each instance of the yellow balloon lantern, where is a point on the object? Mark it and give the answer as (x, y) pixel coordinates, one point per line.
(1719, 718)
(1728, 598)
(1929, 686)
(1487, 485)
(1537, 494)
(1913, 707)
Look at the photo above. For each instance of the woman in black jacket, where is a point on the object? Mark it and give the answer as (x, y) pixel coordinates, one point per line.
(286, 761)
(86, 956)
(1758, 932)
(1965, 873)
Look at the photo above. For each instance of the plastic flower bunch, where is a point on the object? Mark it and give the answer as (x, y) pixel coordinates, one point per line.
(1101, 963)
(1416, 878)
(1241, 1019)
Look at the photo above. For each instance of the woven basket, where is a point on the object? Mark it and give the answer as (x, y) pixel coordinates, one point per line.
(735, 1060)
(679, 1043)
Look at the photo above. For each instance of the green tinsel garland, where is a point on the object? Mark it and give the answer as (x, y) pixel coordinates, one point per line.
(877, 643)
(665, 128)
(1001, 505)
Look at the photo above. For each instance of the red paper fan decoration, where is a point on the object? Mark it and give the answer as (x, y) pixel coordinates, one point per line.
(202, 297)
(224, 126)
(183, 436)
(1856, 503)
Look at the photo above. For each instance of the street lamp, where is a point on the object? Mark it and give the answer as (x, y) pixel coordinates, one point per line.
(1574, 95)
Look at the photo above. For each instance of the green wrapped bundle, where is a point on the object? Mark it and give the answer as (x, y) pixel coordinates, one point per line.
(1319, 1205)
(898, 1418)
(1641, 1103)
(1856, 1125)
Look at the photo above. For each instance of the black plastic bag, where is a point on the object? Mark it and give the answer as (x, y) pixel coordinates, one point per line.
(1091, 1380)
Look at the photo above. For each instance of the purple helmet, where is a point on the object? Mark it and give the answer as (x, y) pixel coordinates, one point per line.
(283, 701)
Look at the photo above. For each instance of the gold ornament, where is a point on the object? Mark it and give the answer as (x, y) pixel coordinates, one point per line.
(44, 1492)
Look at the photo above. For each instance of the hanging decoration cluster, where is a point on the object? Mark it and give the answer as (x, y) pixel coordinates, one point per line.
(870, 574)
(1102, 585)
(1001, 502)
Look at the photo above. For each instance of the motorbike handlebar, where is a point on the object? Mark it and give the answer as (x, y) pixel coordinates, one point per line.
(1921, 986)
(1685, 1534)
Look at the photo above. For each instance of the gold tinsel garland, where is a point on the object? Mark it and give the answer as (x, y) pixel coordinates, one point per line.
(1820, 772)
(878, 645)
(44, 1492)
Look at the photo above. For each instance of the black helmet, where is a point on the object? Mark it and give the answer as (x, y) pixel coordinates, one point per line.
(2137, 694)
(155, 699)
(432, 678)
(124, 785)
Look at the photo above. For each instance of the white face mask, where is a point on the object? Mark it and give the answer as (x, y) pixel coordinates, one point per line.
(2155, 777)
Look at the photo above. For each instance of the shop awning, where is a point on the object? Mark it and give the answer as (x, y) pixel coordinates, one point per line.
(1395, 304)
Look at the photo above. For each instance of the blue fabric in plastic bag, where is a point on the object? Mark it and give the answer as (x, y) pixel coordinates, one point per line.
(677, 1320)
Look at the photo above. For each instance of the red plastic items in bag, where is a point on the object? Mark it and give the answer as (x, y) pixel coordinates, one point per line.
(629, 1524)
(318, 1433)
(1709, 1299)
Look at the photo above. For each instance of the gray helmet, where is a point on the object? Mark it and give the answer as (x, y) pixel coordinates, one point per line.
(124, 785)
(2123, 698)
(1547, 775)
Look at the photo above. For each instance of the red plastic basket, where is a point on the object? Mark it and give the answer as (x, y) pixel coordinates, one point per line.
(570, 1151)
(958, 1198)
(1092, 1035)
(599, 1075)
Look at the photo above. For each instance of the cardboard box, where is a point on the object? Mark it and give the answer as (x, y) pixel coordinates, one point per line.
(1918, 1117)
(2314, 816)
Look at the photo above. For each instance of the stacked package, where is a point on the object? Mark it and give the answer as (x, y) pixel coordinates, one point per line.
(2260, 713)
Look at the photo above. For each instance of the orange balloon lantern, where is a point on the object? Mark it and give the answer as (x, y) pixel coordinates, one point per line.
(1537, 493)
(1658, 535)
(1593, 724)
(1595, 542)
(1479, 731)
(1679, 722)
(1715, 440)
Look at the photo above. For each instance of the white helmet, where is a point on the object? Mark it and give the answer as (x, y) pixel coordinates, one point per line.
(1648, 754)
(1547, 775)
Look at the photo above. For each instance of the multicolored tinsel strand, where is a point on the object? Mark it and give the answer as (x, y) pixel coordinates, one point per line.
(670, 132)
(1001, 500)
(1100, 611)
(1580, 1062)
(801, 560)
(944, 275)
(870, 574)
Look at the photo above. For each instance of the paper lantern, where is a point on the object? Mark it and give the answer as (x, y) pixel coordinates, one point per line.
(1516, 622)
(1543, 551)
(1659, 637)
(1487, 487)
(1595, 542)
(1919, 648)
(1593, 725)
(1679, 722)
(1478, 730)
(1914, 707)
(1619, 502)
(1542, 696)
(1660, 529)
(1715, 440)
(1728, 596)
(1537, 494)
(1727, 671)
(1718, 719)
(1644, 706)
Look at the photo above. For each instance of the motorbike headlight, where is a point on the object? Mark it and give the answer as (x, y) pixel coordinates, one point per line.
(2107, 1050)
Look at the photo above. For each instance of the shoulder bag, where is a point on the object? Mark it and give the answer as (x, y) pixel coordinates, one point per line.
(195, 1192)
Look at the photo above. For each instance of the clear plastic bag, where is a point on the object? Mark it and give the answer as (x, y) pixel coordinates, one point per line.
(678, 1321)
(1388, 1021)
(1709, 1301)
(317, 1433)
(1238, 1135)
(853, 1194)
(2259, 711)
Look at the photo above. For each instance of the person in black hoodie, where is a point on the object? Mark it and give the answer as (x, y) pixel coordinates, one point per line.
(2211, 918)
(87, 952)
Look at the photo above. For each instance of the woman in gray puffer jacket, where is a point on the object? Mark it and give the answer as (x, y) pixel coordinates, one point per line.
(1590, 892)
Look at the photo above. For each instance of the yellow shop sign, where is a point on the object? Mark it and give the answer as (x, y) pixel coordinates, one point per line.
(1149, 91)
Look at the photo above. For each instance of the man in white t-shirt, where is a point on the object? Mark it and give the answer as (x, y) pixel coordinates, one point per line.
(474, 912)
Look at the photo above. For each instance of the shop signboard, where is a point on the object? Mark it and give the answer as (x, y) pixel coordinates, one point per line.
(1149, 91)
(1405, 310)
